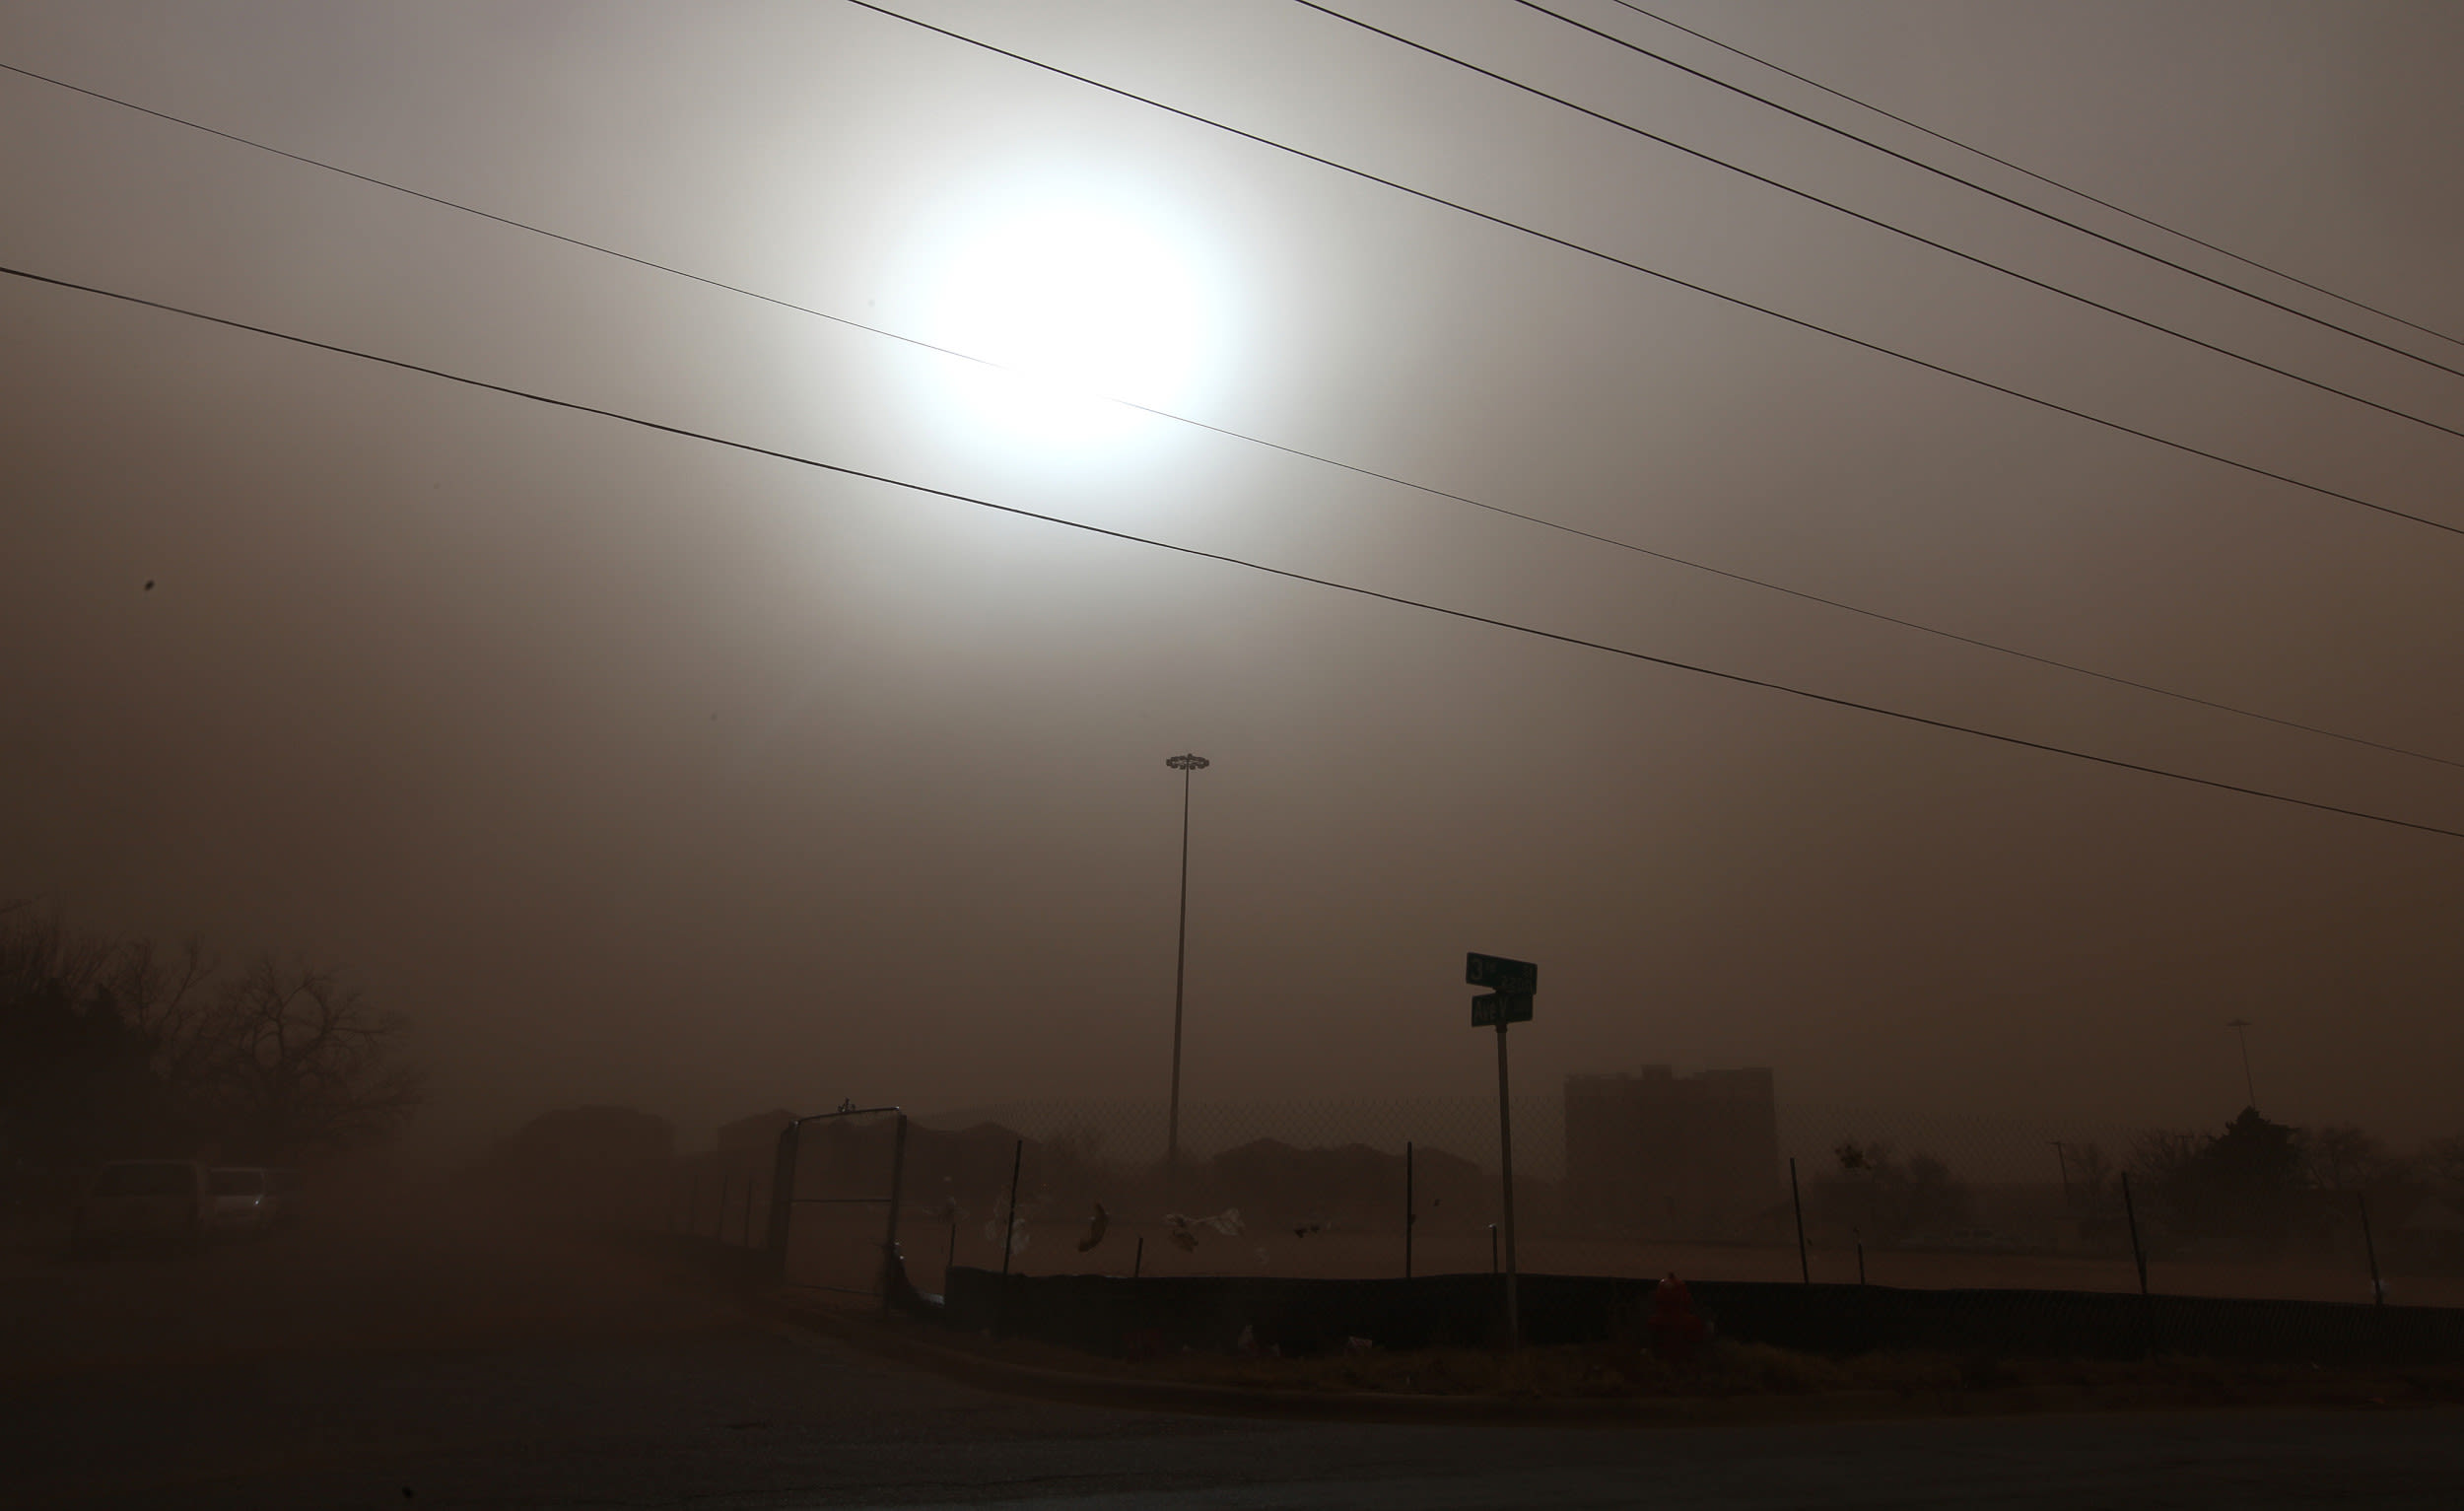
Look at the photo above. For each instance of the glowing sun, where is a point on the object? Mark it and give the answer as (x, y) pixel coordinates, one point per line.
(1072, 301)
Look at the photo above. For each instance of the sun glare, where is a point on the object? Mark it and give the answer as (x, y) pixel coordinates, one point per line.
(1075, 302)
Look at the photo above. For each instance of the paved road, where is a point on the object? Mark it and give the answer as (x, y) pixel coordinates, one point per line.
(615, 1389)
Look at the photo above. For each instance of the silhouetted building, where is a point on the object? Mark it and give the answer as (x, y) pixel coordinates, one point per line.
(1658, 1153)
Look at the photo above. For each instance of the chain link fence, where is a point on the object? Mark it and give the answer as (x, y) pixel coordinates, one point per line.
(821, 1198)
(1364, 1188)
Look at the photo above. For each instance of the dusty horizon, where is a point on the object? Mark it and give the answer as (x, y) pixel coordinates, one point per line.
(643, 772)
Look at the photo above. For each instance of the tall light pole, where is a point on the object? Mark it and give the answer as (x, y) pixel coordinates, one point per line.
(1185, 765)
(2242, 1026)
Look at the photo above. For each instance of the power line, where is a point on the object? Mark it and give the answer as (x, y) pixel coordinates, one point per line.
(2016, 203)
(2071, 189)
(1670, 279)
(1739, 678)
(1876, 221)
(1541, 521)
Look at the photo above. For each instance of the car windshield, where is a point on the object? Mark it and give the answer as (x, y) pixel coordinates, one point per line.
(239, 1183)
(159, 1179)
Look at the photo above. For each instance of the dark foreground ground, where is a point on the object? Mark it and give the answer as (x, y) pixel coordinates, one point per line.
(388, 1360)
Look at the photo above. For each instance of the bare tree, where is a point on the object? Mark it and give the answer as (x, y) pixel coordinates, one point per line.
(2092, 1174)
(163, 996)
(290, 1060)
(40, 956)
(77, 1081)
(2442, 1163)
(2342, 1157)
(110, 1046)
(2159, 1155)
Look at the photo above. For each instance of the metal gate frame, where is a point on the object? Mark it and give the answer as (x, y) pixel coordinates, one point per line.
(784, 1200)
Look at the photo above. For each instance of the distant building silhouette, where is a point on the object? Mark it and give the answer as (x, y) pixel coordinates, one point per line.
(1661, 1154)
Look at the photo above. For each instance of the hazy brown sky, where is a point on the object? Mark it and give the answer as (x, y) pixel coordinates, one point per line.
(643, 771)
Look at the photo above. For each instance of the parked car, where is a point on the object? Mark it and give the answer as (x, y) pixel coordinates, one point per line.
(246, 1200)
(290, 1196)
(144, 1203)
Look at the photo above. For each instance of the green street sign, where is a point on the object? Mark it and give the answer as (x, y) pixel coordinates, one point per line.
(1499, 974)
(1498, 1009)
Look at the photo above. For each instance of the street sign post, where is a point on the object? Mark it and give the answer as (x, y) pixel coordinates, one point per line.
(1511, 986)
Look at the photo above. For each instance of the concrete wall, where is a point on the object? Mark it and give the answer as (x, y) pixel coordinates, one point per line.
(1102, 1314)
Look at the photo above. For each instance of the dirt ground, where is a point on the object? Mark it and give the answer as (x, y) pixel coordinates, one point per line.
(410, 1267)
(422, 1351)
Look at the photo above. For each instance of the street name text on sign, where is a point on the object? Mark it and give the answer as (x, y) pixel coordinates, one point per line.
(1514, 978)
(1499, 1009)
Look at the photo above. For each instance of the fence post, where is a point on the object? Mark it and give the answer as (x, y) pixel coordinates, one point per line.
(1804, 1270)
(1009, 1231)
(783, 1196)
(898, 1183)
(2139, 1256)
(2370, 1246)
(1409, 1217)
(1138, 1260)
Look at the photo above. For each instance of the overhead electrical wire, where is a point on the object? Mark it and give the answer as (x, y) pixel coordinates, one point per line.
(1875, 221)
(1540, 520)
(1287, 573)
(1672, 278)
(2050, 182)
(2008, 199)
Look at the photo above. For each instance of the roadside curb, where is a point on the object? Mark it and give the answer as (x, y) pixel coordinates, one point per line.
(885, 1341)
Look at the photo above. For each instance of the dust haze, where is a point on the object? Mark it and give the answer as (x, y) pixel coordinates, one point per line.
(635, 771)
(767, 751)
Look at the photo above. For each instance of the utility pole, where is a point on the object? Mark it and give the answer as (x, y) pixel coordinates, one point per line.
(1411, 1214)
(2250, 1087)
(1185, 765)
